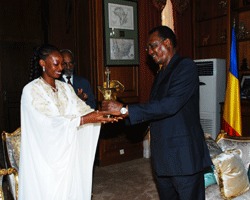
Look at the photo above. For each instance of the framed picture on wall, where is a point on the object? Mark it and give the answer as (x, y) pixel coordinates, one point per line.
(245, 87)
(121, 32)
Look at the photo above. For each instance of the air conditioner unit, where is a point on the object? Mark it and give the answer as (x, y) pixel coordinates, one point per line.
(212, 75)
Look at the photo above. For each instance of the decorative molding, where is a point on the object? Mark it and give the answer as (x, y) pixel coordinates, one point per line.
(179, 5)
(159, 4)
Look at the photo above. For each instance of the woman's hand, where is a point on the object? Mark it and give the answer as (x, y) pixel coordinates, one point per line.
(98, 117)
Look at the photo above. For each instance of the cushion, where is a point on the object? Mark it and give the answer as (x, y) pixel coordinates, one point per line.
(209, 179)
(231, 174)
(213, 147)
(237, 143)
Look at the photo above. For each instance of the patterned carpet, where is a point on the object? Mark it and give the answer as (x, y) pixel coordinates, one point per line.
(131, 180)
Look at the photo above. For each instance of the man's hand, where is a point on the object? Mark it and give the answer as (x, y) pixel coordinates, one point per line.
(112, 106)
(83, 96)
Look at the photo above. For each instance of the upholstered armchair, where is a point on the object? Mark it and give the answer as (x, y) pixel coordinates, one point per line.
(232, 171)
(4, 172)
(11, 149)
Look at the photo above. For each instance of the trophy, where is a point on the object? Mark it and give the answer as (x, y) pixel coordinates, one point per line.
(110, 88)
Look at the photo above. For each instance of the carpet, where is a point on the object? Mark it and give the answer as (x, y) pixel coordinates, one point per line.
(131, 180)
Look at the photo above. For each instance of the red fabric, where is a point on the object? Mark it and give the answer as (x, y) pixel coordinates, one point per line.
(229, 129)
(149, 18)
(183, 29)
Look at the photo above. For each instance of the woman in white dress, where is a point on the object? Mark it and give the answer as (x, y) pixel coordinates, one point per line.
(59, 134)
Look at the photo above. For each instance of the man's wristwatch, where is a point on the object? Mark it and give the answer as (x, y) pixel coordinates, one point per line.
(124, 110)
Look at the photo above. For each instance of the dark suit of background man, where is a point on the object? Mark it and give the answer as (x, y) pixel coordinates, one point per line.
(81, 85)
(178, 148)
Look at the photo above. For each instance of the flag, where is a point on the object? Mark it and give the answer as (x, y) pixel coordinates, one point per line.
(232, 110)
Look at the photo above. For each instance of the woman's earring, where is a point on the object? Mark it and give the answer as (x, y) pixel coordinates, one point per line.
(43, 69)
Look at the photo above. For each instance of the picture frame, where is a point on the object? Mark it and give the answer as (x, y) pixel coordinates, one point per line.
(245, 87)
(121, 32)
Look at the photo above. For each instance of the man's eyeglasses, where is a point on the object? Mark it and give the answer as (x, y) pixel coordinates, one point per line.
(154, 45)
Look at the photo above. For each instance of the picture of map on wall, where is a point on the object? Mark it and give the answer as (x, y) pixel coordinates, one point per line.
(121, 16)
(121, 33)
(122, 49)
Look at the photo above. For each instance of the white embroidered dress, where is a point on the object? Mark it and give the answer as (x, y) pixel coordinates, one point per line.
(57, 154)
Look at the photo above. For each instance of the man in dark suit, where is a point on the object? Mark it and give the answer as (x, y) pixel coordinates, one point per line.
(178, 149)
(81, 85)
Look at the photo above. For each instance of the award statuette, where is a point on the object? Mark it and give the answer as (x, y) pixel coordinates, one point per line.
(110, 88)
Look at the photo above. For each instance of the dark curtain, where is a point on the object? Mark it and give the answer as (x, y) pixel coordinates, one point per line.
(183, 23)
(149, 17)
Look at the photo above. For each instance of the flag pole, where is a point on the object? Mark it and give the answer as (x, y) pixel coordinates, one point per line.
(232, 123)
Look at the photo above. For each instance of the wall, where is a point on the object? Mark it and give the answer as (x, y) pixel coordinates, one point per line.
(20, 32)
(73, 24)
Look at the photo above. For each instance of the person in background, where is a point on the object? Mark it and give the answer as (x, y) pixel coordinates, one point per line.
(81, 85)
(59, 134)
(179, 152)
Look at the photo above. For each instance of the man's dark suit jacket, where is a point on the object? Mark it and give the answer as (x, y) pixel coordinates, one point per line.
(178, 146)
(82, 83)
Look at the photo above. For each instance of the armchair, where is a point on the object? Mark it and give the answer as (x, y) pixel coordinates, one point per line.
(226, 142)
(4, 172)
(11, 150)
